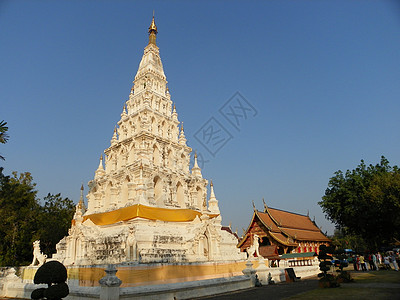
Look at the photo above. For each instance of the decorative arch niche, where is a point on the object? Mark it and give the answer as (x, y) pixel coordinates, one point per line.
(199, 197)
(180, 196)
(124, 191)
(156, 155)
(107, 198)
(158, 187)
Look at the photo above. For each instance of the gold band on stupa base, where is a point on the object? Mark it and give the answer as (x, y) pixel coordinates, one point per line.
(145, 212)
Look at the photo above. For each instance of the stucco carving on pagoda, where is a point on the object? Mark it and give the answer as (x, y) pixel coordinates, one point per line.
(148, 159)
(143, 182)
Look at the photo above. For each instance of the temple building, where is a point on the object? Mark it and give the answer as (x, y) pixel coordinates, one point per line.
(281, 232)
(145, 204)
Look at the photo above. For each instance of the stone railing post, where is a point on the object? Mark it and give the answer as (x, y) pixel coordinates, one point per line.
(10, 279)
(110, 284)
(262, 271)
(249, 271)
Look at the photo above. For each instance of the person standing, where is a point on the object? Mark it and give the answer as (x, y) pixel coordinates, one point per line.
(394, 262)
(355, 263)
(374, 261)
(362, 262)
(386, 262)
(370, 262)
(379, 258)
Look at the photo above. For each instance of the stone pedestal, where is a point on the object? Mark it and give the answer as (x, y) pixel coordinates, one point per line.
(110, 284)
(249, 271)
(262, 271)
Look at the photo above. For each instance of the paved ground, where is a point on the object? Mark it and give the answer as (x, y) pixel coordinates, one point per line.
(271, 292)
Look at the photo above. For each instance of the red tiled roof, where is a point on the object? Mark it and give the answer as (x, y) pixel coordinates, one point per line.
(282, 239)
(306, 235)
(269, 252)
(292, 220)
(287, 228)
(299, 227)
(266, 219)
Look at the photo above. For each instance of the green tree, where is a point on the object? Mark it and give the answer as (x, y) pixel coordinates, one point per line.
(18, 222)
(341, 241)
(365, 202)
(54, 221)
(3, 134)
(23, 220)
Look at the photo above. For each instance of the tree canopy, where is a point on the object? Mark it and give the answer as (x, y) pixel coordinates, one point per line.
(3, 134)
(24, 219)
(366, 202)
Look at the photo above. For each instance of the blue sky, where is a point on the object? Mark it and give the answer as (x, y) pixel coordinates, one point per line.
(323, 77)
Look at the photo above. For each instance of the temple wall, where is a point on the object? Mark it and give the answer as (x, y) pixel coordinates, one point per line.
(146, 274)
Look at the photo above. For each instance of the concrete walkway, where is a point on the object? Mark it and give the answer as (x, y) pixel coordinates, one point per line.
(271, 292)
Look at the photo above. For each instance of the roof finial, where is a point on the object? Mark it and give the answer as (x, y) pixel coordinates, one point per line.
(152, 31)
(265, 205)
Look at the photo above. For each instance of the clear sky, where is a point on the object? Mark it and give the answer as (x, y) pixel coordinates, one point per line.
(322, 77)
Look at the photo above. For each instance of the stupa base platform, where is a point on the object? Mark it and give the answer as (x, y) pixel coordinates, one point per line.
(155, 281)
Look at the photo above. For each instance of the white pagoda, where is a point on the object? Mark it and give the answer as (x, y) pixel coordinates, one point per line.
(144, 203)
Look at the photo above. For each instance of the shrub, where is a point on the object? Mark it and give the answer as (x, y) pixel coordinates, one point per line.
(54, 274)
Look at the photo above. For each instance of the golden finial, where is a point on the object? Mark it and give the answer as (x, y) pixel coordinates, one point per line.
(152, 31)
(211, 184)
(153, 27)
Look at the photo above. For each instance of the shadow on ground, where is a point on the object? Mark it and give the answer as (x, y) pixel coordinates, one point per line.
(271, 292)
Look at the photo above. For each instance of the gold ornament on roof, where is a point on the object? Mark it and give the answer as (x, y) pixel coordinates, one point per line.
(152, 31)
(153, 27)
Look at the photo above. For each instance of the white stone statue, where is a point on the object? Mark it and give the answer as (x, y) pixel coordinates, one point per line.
(38, 256)
(254, 247)
(131, 245)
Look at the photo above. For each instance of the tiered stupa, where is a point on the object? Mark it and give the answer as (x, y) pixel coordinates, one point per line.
(144, 203)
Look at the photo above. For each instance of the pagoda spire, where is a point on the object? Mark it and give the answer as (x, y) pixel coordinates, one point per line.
(124, 114)
(81, 203)
(100, 170)
(213, 202)
(174, 114)
(196, 169)
(153, 32)
(79, 209)
(114, 139)
(182, 138)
